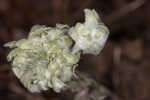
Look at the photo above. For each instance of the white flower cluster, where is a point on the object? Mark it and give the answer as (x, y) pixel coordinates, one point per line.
(48, 57)
(90, 37)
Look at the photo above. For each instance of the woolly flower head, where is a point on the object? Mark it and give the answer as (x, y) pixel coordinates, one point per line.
(44, 59)
(90, 37)
(49, 55)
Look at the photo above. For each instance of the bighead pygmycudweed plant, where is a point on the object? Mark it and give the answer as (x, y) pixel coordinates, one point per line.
(47, 58)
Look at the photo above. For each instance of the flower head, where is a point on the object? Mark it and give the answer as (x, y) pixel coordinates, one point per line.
(90, 37)
(44, 59)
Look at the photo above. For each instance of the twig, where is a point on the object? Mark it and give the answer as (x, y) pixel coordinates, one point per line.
(64, 18)
(125, 10)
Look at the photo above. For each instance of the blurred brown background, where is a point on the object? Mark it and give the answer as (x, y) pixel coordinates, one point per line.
(124, 64)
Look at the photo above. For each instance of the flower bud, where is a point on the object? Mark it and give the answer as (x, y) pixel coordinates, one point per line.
(90, 37)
